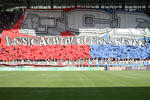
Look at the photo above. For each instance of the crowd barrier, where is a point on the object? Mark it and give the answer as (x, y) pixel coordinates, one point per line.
(72, 68)
(52, 68)
(96, 66)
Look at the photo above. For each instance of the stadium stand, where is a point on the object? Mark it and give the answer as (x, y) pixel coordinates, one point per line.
(30, 22)
(9, 18)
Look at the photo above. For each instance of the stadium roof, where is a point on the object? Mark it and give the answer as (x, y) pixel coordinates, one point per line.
(13, 3)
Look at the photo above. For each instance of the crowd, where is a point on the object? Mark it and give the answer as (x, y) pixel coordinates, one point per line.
(64, 54)
(58, 52)
(79, 63)
(120, 52)
(8, 18)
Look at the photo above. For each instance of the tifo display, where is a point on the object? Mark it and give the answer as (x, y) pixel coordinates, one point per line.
(76, 35)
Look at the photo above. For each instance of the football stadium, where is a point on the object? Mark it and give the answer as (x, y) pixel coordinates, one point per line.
(74, 50)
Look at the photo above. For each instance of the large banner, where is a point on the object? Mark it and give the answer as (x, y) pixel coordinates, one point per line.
(77, 33)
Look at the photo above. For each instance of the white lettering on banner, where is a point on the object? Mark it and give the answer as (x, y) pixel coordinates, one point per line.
(70, 41)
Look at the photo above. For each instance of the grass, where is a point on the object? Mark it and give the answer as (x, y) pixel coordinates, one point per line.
(83, 85)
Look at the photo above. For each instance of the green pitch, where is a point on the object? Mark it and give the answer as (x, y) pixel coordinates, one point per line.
(83, 85)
